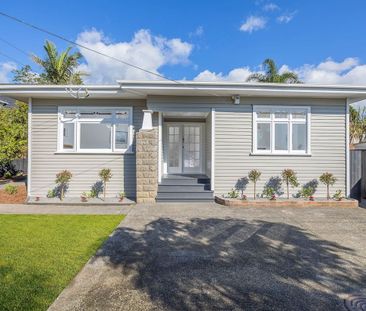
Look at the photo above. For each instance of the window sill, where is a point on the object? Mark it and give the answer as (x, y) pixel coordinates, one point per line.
(281, 154)
(90, 152)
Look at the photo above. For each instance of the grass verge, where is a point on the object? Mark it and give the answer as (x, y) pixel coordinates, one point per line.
(41, 254)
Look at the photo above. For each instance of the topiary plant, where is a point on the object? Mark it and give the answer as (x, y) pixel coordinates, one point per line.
(62, 180)
(254, 176)
(290, 179)
(329, 180)
(105, 174)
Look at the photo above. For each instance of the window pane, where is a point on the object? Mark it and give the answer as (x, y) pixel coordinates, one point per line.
(95, 136)
(263, 115)
(281, 115)
(68, 140)
(299, 137)
(281, 137)
(299, 115)
(263, 136)
(121, 136)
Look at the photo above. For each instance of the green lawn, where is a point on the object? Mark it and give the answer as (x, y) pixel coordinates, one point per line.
(40, 255)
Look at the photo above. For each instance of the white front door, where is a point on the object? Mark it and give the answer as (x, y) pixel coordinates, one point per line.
(184, 148)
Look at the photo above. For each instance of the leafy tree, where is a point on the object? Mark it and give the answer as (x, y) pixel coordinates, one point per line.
(290, 178)
(329, 180)
(57, 68)
(254, 176)
(272, 74)
(25, 75)
(62, 180)
(13, 132)
(357, 127)
(105, 174)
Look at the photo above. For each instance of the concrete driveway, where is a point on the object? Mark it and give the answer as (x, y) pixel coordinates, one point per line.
(209, 257)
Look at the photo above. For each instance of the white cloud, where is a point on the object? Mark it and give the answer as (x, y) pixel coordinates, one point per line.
(235, 75)
(198, 32)
(270, 7)
(253, 23)
(347, 71)
(286, 18)
(5, 71)
(144, 50)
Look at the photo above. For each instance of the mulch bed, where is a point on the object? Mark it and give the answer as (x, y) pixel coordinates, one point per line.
(17, 198)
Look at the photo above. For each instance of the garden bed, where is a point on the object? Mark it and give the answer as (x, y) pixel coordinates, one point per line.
(16, 198)
(77, 201)
(349, 203)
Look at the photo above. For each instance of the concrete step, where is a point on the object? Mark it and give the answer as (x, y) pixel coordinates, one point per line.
(177, 196)
(183, 188)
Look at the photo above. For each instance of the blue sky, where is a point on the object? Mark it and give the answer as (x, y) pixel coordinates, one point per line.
(324, 41)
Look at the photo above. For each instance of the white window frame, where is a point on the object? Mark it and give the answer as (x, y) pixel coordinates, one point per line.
(78, 120)
(290, 121)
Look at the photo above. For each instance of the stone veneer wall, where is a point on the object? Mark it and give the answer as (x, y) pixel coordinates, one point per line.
(146, 166)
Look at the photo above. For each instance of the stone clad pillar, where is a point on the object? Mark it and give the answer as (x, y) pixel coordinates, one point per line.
(146, 165)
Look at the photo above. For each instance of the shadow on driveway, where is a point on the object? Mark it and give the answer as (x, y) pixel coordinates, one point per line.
(232, 264)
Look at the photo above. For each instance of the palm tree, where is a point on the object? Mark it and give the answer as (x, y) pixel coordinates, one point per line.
(272, 75)
(357, 128)
(59, 68)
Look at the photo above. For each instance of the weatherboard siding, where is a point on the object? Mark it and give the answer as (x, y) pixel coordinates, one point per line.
(233, 145)
(84, 167)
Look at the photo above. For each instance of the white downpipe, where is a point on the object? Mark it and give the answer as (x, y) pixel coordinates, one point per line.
(160, 145)
(213, 149)
(348, 166)
(29, 170)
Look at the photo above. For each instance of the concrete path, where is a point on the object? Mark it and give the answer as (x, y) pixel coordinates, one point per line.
(209, 257)
(64, 209)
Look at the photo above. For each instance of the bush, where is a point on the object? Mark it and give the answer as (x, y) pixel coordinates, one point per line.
(51, 193)
(233, 194)
(338, 195)
(254, 176)
(329, 180)
(62, 180)
(6, 167)
(269, 193)
(290, 179)
(105, 174)
(11, 189)
(306, 192)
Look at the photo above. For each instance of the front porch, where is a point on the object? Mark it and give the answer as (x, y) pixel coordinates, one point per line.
(184, 157)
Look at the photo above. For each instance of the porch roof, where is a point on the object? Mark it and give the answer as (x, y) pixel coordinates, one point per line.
(143, 89)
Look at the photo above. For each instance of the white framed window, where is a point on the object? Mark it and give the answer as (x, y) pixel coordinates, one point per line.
(95, 129)
(281, 130)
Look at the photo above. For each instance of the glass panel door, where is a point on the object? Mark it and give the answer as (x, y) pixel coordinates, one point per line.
(174, 142)
(192, 149)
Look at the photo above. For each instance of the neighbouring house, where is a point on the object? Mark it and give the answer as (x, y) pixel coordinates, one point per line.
(187, 140)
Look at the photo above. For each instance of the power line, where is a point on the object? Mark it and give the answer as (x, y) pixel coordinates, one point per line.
(14, 46)
(84, 47)
(95, 51)
(11, 58)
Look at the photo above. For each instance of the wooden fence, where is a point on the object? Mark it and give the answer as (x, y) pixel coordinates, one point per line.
(358, 174)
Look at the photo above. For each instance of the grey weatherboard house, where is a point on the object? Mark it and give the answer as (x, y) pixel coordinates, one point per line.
(184, 141)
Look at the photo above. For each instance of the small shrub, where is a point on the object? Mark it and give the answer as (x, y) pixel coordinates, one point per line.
(241, 185)
(121, 195)
(62, 180)
(329, 180)
(254, 176)
(290, 179)
(338, 195)
(11, 189)
(7, 175)
(7, 166)
(269, 193)
(307, 192)
(51, 193)
(233, 194)
(105, 174)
